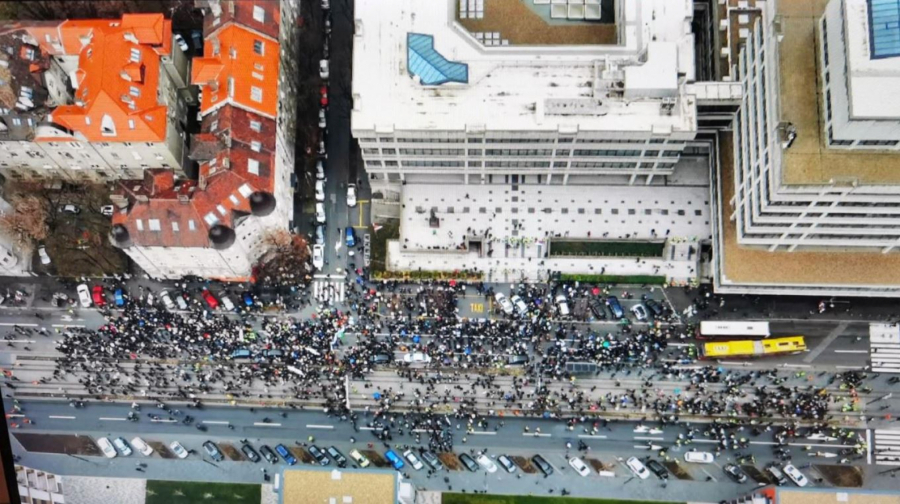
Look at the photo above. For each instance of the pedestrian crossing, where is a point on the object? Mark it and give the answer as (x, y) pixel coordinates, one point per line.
(328, 291)
(887, 447)
(884, 348)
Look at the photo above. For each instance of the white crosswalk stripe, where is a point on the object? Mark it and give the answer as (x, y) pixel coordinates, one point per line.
(328, 291)
(886, 447)
(884, 348)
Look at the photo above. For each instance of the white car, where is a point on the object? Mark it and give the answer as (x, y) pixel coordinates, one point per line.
(563, 305)
(417, 357)
(637, 467)
(322, 121)
(320, 190)
(320, 213)
(106, 447)
(323, 69)
(142, 447)
(318, 256)
(795, 475)
(359, 458)
(181, 43)
(413, 460)
(487, 463)
(520, 305)
(42, 251)
(178, 450)
(228, 303)
(122, 446)
(167, 300)
(699, 457)
(84, 295)
(326, 4)
(639, 312)
(351, 195)
(579, 466)
(320, 170)
(504, 303)
(107, 210)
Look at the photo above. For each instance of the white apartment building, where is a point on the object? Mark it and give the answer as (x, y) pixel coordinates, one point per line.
(39, 487)
(813, 197)
(95, 99)
(433, 103)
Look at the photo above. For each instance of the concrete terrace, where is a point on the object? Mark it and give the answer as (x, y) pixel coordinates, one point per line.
(809, 161)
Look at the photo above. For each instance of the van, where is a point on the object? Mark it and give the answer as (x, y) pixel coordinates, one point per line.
(241, 353)
(615, 308)
(699, 457)
(517, 360)
(777, 475)
(582, 368)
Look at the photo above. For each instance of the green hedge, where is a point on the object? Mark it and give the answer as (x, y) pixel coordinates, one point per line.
(426, 275)
(615, 279)
(603, 248)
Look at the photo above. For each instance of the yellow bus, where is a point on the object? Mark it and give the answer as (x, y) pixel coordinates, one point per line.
(753, 348)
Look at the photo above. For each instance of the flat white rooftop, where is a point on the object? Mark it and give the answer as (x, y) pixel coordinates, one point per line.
(874, 82)
(634, 86)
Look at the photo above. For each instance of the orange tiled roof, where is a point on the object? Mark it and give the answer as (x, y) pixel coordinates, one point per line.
(232, 54)
(118, 76)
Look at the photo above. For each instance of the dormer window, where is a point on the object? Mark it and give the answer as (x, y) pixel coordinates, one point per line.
(135, 55)
(107, 126)
(134, 91)
(259, 14)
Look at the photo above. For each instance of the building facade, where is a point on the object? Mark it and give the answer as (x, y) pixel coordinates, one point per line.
(91, 99)
(215, 227)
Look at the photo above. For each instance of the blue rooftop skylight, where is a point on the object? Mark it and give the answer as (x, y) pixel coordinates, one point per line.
(430, 66)
(884, 28)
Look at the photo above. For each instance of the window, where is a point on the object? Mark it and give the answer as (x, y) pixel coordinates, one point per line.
(253, 166)
(87, 120)
(259, 14)
(135, 55)
(258, 66)
(107, 126)
(131, 124)
(256, 126)
(154, 225)
(134, 91)
(257, 75)
(256, 94)
(259, 47)
(16, 121)
(255, 146)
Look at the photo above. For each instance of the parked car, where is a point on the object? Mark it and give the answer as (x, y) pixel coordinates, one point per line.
(213, 451)
(395, 461)
(322, 121)
(468, 462)
(504, 303)
(736, 473)
(637, 467)
(323, 99)
(167, 300)
(698, 457)
(413, 460)
(320, 170)
(655, 308)
(320, 213)
(227, 303)
(598, 309)
(320, 190)
(182, 303)
(326, 4)
(323, 69)
(179, 41)
(122, 446)
(432, 460)
(268, 454)
(98, 297)
(359, 458)
(142, 447)
(318, 256)
(777, 475)
(178, 450)
(320, 235)
(319, 455)
(639, 311)
(107, 210)
(506, 463)
(563, 305)
(415, 357)
(350, 237)
(795, 475)
(119, 297)
(285, 454)
(520, 305)
(106, 447)
(338, 457)
(542, 465)
(42, 253)
(250, 453)
(351, 195)
(658, 469)
(70, 209)
(486, 463)
(210, 299)
(579, 466)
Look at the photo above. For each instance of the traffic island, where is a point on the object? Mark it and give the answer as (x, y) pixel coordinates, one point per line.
(59, 443)
(450, 461)
(231, 452)
(675, 468)
(841, 475)
(302, 455)
(162, 449)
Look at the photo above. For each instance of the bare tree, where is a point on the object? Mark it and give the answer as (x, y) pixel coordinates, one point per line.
(287, 261)
(27, 221)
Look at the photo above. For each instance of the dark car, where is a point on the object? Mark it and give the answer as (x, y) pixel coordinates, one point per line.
(286, 454)
(655, 308)
(543, 465)
(213, 451)
(250, 453)
(432, 460)
(319, 455)
(736, 473)
(338, 457)
(381, 359)
(517, 360)
(248, 299)
(467, 461)
(658, 469)
(598, 309)
(268, 454)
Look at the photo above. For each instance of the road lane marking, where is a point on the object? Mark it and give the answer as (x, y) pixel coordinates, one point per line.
(265, 424)
(367, 428)
(848, 367)
(869, 446)
(591, 436)
(536, 434)
(314, 426)
(20, 341)
(851, 351)
(797, 365)
(14, 415)
(483, 433)
(647, 438)
(10, 324)
(826, 341)
(61, 417)
(215, 422)
(163, 420)
(111, 419)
